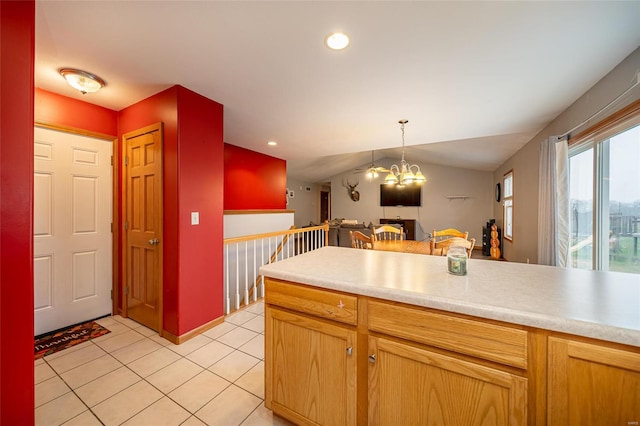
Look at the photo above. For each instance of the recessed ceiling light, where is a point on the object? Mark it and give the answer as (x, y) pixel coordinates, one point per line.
(272, 143)
(337, 41)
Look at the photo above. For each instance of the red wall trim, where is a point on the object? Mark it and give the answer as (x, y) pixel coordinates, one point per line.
(252, 180)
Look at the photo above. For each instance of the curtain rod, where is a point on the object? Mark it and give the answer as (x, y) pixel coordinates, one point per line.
(637, 81)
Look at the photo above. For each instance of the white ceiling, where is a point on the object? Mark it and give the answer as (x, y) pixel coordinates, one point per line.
(476, 80)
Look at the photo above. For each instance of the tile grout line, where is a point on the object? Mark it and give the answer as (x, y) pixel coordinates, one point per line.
(74, 392)
(97, 378)
(181, 357)
(120, 391)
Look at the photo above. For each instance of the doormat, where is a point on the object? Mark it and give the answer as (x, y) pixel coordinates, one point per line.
(71, 336)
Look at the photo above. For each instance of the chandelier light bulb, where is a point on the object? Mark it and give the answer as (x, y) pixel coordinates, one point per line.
(404, 174)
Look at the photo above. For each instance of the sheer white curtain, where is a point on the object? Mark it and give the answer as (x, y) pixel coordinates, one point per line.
(547, 239)
(563, 226)
(553, 202)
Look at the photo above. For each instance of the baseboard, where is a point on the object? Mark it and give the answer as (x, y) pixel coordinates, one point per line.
(193, 333)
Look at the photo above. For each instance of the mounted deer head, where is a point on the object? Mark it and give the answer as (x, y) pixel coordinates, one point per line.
(351, 189)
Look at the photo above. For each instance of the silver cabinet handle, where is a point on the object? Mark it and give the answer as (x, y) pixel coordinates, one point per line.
(372, 358)
(350, 350)
(154, 242)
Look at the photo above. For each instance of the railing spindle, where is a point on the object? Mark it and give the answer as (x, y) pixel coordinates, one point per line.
(297, 241)
(237, 278)
(255, 275)
(227, 283)
(246, 274)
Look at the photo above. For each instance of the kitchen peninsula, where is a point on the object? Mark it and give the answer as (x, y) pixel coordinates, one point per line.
(372, 337)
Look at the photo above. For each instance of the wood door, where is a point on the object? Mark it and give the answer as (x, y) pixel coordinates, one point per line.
(409, 385)
(72, 272)
(310, 370)
(592, 384)
(325, 206)
(143, 225)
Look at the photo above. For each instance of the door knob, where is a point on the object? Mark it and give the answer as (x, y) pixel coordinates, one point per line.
(154, 242)
(372, 358)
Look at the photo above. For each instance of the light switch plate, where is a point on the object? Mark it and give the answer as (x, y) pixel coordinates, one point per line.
(195, 218)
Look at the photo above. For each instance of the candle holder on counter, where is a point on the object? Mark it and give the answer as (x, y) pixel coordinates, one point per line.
(457, 261)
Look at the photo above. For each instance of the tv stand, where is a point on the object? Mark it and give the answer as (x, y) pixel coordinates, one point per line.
(408, 225)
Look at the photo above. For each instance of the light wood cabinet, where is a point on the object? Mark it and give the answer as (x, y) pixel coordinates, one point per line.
(325, 304)
(592, 384)
(310, 363)
(312, 369)
(493, 342)
(333, 358)
(413, 385)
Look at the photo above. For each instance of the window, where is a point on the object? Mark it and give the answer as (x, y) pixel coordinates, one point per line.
(604, 197)
(581, 207)
(507, 186)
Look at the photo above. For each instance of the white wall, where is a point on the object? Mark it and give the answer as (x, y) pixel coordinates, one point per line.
(305, 203)
(436, 211)
(239, 225)
(525, 163)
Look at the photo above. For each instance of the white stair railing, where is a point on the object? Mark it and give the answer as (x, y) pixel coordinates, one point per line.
(243, 257)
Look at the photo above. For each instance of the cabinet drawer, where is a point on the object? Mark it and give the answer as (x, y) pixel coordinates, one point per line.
(492, 342)
(321, 303)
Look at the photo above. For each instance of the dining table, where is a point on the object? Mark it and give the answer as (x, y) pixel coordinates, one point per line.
(403, 246)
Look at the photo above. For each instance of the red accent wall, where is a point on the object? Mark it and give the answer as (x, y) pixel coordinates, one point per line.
(201, 166)
(253, 180)
(51, 108)
(192, 152)
(17, 24)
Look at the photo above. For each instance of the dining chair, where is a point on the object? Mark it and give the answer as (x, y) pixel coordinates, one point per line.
(440, 248)
(387, 232)
(360, 240)
(448, 233)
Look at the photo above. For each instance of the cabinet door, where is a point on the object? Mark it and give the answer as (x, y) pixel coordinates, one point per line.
(310, 375)
(592, 384)
(410, 385)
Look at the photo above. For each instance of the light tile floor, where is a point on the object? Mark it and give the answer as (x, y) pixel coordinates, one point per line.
(133, 377)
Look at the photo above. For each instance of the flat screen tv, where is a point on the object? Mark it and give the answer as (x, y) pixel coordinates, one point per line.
(400, 195)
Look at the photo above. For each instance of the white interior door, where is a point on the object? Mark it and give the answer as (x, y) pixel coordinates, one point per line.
(72, 229)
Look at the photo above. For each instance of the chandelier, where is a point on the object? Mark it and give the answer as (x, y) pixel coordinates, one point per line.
(405, 173)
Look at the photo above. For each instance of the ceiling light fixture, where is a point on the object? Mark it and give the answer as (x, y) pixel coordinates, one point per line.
(404, 174)
(272, 143)
(83, 81)
(372, 171)
(337, 41)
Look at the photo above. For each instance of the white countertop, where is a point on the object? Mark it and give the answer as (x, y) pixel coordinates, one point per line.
(601, 305)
